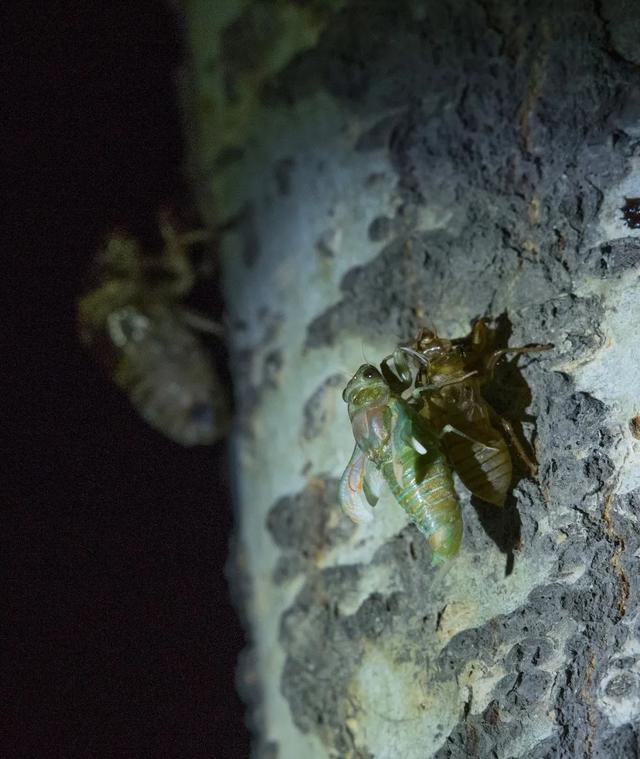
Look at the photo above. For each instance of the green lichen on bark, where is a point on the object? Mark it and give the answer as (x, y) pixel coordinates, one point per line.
(238, 49)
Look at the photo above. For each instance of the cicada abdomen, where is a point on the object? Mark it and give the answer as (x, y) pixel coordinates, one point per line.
(476, 450)
(168, 374)
(426, 492)
(395, 446)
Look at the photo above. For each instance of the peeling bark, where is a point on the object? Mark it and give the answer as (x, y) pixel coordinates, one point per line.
(381, 165)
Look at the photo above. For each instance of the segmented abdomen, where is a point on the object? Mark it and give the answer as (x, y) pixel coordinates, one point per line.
(479, 455)
(428, 496)
(484, 468)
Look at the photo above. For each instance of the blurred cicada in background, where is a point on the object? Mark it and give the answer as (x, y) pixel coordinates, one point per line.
(134, 321)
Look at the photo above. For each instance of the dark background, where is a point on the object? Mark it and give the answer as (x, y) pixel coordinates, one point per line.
(121, 638)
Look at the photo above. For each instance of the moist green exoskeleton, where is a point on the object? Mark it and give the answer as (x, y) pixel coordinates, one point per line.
(397, 447)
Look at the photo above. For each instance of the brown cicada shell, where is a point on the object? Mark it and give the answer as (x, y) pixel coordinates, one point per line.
(449, 385)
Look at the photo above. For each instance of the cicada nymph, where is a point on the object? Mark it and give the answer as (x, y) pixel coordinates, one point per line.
(395, 445)
(449, 390)
(134, 321)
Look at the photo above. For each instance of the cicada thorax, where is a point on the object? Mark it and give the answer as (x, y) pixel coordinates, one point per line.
(372, 430)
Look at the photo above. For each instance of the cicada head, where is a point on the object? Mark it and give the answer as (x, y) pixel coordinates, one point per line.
(439, 359)
(366, 388)
(426, 339)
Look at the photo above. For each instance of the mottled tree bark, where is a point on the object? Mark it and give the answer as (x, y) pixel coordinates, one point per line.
(380, 165)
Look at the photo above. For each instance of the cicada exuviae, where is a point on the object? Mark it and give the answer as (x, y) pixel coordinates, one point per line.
(449, 386)
(134, 321)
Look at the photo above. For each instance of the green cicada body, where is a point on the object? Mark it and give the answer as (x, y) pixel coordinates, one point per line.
(395, 446)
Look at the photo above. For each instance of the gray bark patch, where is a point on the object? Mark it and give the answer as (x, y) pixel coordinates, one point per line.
(305, 526)
(316, 412)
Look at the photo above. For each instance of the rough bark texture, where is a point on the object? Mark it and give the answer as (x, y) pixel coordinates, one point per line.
(382, 164)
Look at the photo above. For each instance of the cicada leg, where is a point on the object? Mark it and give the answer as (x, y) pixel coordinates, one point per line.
(480, 333)
(515, 442)
(175, 259)
(201, 323)
(400, 377)
(175, 239)
(450, 428)
(438, 385)
(497, 355)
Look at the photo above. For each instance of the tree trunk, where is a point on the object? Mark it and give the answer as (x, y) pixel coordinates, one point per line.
(374, 167)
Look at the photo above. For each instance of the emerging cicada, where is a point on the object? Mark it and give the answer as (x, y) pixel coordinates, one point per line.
(134, 322)
(449, 382)
(395, 445)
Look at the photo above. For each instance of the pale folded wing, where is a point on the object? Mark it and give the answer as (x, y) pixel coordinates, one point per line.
(359, 487)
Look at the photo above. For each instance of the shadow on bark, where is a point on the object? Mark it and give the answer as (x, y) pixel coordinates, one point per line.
(509, 395)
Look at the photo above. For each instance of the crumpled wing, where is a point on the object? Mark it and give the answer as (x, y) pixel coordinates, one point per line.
(351, 491)
(373, 482)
